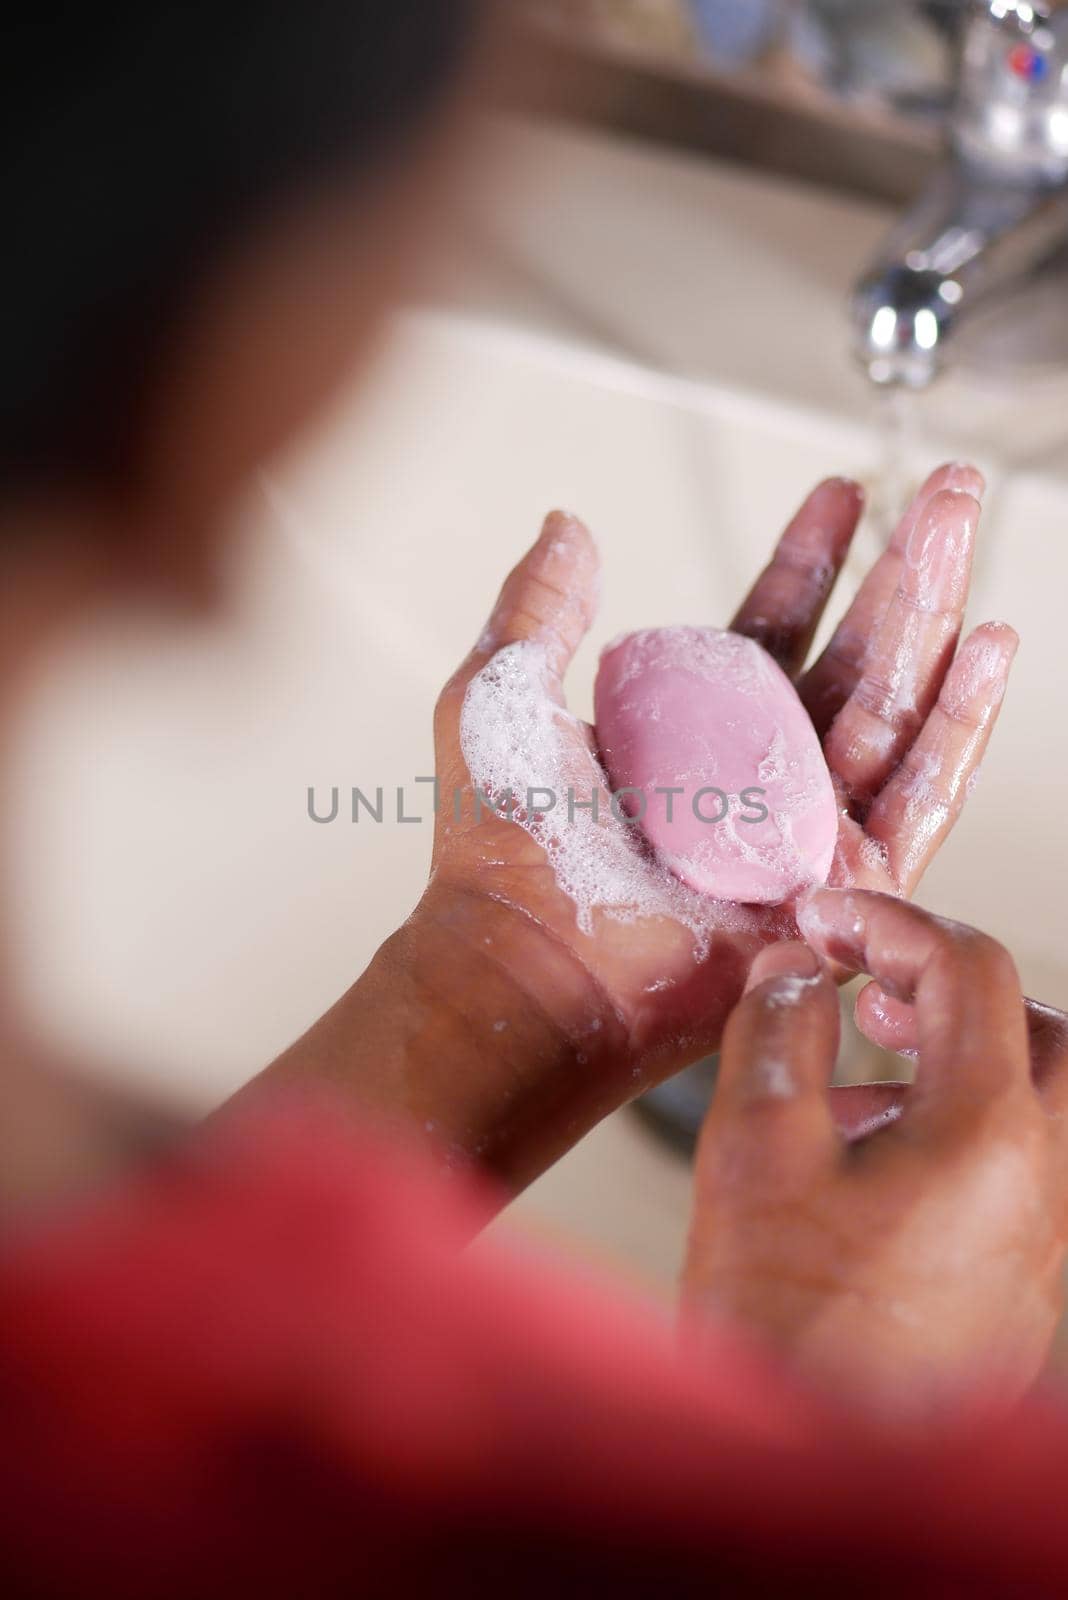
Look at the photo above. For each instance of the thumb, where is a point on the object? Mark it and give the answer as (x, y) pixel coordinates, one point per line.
(550, 597)
(772, 1105)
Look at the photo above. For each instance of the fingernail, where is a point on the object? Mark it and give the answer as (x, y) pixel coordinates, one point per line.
(964, 478)
(939, 549)
(793, 960)
(994, 654)
(834, 923)
(563, 528)
(882, 1008)
(981, 668)
(849, 485)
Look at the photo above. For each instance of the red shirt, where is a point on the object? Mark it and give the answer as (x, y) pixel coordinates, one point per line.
(272, 1367)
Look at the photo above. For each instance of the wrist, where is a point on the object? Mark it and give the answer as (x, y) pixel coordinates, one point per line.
(474, 1031)
(505, 1050)
(483, 1033)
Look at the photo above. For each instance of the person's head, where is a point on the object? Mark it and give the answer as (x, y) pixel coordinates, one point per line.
(205, 213)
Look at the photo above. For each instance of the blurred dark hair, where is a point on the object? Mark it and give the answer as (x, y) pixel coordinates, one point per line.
(137, 142)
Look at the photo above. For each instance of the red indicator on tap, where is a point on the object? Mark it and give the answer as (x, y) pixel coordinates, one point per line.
(1027, 63)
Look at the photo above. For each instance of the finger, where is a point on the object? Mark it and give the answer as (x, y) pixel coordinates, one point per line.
(861, 1109)
(784, 606)
(912, 815)
(550, 598)
(912, 649)
(830, 681)
(970, 1026)
(1048, 1029)
(771, 1107)
(891, 1025)
(888, 1023)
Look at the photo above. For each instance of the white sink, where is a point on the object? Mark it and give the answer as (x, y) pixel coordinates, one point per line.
(182, 914)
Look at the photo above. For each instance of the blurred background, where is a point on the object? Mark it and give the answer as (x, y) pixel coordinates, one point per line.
(849, 92)
(709, 252)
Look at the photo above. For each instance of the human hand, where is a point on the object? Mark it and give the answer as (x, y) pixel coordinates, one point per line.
(926, 1259)
(501, 1024)
(609, 1007)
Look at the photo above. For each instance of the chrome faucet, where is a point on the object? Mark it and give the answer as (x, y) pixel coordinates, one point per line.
(994, 212)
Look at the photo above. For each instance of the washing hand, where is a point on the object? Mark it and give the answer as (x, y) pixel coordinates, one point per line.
(927, 1259)
(904, 726)
(493, 1022)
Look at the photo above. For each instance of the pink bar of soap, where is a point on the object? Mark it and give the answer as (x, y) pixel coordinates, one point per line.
(710, 714)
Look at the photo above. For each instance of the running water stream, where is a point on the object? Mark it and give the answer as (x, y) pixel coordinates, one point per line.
(895, 415)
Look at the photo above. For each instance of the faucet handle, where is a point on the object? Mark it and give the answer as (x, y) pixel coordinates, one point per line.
(1011, 112)
(1024, 15)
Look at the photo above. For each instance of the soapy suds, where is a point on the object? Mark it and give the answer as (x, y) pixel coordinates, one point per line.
(841, 875)
(514, 738)
(777, 1080)
(933, 582)
(820, 930)
(921, 788)
(977, 680)
(789, 990)
(707, 653)
(881, 741)
(937, 557)
(874, 855)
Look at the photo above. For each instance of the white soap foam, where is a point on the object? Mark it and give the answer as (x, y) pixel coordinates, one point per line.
(776, 1079)
(705, 652)
(789, 990)
(874, 855)
(978, 679)
(922, 787)
(514, 737)
(820, 929)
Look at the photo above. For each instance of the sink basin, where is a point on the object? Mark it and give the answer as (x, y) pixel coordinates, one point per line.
(184, 918)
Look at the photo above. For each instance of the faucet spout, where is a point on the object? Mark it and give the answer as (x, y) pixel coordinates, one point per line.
(972, 236)
(994, 213)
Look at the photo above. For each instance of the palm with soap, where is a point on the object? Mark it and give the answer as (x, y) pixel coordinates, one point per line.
(903, 717)
(492, 1020)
